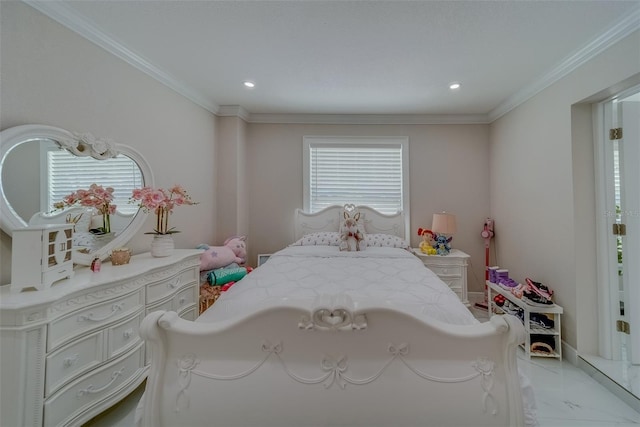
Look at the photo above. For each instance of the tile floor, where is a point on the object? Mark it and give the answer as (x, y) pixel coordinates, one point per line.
(566, 396)
(621, 372)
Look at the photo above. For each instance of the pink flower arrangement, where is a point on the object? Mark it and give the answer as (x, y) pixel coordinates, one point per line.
(97, 197)
(161, 202)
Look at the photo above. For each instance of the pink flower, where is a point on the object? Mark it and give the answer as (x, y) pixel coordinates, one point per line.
(96, 196)
(161, 202)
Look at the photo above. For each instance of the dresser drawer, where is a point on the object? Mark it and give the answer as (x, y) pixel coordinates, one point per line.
(455, 283)
(158, 290)
(72, 360)
(164, 306)
(184, 298)
(92, 317)
(78, 396)
(189, 314)
(124, 335)
(446, 270)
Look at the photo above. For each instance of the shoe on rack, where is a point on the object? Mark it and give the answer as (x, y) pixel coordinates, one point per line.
(518, 290)
(506, 307)
(532, 298)
(539, 289)
(507, 284)
(510, 308)
(540, 320)
(499, 300)
(543, 344)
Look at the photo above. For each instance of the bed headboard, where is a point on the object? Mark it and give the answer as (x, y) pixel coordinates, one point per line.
(329, 219)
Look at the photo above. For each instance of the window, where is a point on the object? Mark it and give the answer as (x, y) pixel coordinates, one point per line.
(370, 171)
(67, 173)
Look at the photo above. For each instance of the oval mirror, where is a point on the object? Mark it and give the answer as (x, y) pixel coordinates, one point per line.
(40, 165)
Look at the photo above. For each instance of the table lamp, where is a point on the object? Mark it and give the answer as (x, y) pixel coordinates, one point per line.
(444, 226)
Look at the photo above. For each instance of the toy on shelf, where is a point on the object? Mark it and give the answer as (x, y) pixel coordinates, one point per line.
(427, 246)
(442, 244)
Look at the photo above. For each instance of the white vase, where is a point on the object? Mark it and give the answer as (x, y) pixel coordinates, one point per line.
(162, 245)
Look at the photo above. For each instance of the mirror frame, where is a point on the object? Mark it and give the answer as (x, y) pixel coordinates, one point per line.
(77, 144)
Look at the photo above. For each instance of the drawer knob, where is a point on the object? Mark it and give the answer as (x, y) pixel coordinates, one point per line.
(174, 284)
(182, 300)
(128, 333)
(71, 360)
(91, 389)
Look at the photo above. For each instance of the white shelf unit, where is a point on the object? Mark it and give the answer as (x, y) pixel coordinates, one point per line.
(553, 311)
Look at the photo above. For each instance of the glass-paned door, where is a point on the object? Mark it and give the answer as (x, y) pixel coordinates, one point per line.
(622, 168)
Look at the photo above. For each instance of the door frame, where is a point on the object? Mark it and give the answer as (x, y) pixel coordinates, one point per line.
(606, 255)
(609, 342)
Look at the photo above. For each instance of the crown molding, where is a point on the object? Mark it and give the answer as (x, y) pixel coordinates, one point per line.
(610, 37)
(234, 111)
(370, 119)
(60, 12)
(63, 14)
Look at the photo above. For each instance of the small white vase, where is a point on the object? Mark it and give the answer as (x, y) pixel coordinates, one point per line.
(162, 245)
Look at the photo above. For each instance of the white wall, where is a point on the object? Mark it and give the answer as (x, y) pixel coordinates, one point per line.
(50, 75)
(233, 211)
(542, 186)
(448, 171)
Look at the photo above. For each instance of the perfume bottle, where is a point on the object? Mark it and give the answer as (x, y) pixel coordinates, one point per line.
(96, 264)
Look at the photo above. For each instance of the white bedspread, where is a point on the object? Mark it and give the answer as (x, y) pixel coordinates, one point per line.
(386, 276)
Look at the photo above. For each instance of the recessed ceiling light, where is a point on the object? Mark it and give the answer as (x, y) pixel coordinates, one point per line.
(454, 85)
(249, 84)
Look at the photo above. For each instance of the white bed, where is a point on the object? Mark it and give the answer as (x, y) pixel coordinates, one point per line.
(319, 337)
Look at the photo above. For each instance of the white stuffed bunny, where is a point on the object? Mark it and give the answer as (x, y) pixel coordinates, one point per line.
(351, 233)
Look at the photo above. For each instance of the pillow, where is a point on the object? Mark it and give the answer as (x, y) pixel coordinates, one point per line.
(325, 238)
(386, 241)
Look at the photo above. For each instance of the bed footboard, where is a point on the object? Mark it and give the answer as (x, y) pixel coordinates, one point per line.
(332, 365)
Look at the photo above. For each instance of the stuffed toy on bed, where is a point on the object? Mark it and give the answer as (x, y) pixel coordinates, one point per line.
(233, 251)
(352, 236)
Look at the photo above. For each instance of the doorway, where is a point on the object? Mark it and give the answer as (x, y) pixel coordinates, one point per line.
(618, 230)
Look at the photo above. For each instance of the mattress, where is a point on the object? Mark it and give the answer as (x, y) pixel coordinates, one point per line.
(385, 276)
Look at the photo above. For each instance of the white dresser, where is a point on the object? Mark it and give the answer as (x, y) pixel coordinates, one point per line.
(451, 268)
(69, 352)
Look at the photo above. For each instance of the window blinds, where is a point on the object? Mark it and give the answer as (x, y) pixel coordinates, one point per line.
(359, 173)
(67, 173)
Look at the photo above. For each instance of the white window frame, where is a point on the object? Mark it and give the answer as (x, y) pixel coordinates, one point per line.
(355, 141)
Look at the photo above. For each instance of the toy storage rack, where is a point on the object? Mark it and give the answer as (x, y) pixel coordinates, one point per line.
(554, 311)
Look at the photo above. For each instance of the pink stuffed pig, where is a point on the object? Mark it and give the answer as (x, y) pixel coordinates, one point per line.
(234, 250)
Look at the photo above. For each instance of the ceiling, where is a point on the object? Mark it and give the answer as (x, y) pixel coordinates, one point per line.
(330, 58)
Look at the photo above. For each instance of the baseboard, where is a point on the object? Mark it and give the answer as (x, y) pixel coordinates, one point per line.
(569, 354)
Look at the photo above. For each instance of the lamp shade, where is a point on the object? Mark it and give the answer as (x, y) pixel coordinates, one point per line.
(444, 223)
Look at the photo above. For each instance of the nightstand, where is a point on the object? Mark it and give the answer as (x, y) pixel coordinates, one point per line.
(452, 269)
